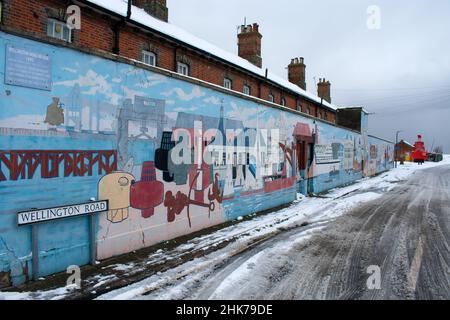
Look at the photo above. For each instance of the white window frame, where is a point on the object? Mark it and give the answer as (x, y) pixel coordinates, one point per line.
(283, 101)
(147, 57)
(183, 68)
(247, 89)
(228, 83)
(271, 98)
(51, 28)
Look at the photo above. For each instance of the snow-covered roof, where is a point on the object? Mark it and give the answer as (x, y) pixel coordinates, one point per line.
(140, 16)
(354, 107)
(406, 142)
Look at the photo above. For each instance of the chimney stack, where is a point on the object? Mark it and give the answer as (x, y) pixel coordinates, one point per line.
(324, 89)
(156, 8)
(297, 72)
(249, 44)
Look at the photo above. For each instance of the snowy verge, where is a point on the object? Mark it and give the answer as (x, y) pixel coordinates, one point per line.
(177, 283)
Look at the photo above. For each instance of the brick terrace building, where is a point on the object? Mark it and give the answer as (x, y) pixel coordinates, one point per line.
(141, 32)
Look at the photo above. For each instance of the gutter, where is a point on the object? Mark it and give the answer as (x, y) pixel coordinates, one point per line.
(118, 26)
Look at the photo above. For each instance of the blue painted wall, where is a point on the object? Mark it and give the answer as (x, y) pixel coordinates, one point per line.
(109, 106)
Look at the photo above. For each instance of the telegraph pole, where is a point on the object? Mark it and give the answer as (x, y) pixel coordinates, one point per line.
(396, 148)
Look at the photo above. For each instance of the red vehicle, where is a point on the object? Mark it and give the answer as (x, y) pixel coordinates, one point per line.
(419, 154)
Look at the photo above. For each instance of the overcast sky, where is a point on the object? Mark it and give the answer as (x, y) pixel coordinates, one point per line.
(400, 72)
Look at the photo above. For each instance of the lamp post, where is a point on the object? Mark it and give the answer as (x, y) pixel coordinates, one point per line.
(396, 147)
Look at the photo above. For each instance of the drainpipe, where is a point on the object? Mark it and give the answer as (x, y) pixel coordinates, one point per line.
(119, 25)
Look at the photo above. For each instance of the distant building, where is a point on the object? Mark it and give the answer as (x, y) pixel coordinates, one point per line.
(403, 151)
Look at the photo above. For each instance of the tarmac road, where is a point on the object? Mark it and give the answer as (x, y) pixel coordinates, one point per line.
(405, 233)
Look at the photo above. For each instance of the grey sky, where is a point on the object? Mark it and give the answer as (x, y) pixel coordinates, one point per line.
(400, 72)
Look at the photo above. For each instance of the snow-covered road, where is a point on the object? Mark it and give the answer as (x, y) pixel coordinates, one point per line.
(238, 251)
(248, 267)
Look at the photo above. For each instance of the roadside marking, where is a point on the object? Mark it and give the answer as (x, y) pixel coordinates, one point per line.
(415, 267)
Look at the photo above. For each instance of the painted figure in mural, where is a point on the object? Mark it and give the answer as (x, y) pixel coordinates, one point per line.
(55, 114)
(115, 187)
(176, 204)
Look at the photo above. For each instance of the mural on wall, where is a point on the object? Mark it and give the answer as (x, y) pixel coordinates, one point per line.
(121, 132)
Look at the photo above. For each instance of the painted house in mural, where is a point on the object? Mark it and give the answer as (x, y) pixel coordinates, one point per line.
(170, 151)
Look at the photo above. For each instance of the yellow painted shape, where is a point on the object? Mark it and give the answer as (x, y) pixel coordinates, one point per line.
(116, 187)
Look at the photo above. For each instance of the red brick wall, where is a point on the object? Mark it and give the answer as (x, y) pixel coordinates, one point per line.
(96, 32)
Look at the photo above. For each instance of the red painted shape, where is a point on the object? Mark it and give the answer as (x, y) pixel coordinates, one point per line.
(147, 194)
(302, 130)
(175, 204)
(279, 184)
(216, 193)
(23, 164)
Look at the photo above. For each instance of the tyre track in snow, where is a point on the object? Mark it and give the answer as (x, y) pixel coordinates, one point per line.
(405, 233)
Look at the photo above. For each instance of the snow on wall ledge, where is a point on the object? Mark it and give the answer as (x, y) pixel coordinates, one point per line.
(76, 127)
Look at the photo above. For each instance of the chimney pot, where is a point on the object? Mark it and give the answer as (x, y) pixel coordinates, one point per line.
(324, 89)
(156, 8)
(297, 73)
(249, 44)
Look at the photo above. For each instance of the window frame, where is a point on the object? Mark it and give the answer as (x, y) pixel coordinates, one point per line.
(271, 98)
(248, 88)
(183, 65)
(227, 81)
(149, 54)
(283, 101)
(63, 25)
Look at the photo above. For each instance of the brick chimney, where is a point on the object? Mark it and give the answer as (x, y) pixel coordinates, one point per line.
(324, 90)
(156, 8)
(249, 44)
(297, 72)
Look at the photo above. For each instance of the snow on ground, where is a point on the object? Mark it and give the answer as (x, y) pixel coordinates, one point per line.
(176, 283)
(57, 294)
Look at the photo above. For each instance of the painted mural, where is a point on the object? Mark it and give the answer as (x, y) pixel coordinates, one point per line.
(171, 157)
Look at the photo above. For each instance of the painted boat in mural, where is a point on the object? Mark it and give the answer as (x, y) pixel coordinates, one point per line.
(251, 192)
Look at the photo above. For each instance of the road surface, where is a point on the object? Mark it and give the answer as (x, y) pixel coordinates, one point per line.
(404, 234)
